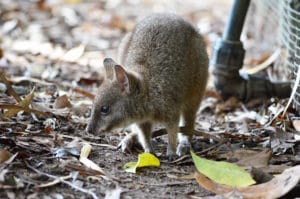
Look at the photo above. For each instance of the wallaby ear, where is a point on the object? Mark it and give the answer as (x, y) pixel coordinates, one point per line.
(122, 78)
(109, 64)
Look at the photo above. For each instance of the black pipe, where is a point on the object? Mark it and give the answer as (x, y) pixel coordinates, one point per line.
(228, 58)
(236, 20)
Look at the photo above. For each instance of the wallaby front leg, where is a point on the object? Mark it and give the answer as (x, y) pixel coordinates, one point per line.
(140, 132)
(144, 136)
(128, 141)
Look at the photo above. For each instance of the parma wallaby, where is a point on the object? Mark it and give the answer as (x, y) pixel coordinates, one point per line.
(160, 78)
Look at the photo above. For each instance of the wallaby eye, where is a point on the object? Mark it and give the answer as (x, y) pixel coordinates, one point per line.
(104, 110)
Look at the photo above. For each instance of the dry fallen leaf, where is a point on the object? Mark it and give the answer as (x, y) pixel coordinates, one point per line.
(275, 188)
(258, 159)
(4, 155)
(229, 105)
(296, 124)
(62, 102)
(85, 151)
(24, 103)
(74, 54)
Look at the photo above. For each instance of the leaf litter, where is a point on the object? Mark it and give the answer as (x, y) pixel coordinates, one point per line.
(50, 66)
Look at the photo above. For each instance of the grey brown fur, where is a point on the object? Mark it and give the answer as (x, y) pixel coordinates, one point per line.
(162, 78)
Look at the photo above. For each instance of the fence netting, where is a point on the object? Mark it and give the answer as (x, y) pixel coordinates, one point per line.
(275, 24)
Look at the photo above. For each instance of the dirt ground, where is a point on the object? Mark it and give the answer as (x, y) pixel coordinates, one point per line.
(55, 48)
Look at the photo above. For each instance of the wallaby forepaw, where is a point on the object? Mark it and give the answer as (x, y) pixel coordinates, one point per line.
(171, 155)
(183, 148)
(127, 143)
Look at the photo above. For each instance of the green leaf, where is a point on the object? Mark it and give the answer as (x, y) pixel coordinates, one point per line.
(145, 160)
(223, 172)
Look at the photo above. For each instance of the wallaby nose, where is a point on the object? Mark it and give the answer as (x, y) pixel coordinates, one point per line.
(107, 61)
(90, 128)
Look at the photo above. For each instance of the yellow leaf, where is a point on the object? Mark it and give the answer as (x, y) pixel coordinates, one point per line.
(85, 150)
(144, 160)
(223, 172)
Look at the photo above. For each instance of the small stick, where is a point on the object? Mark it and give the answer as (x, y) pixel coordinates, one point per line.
(185, 132)
(168, 184)
(54, 182)
(294, 91)
(198, 153)
(83, 92)
(92, 143)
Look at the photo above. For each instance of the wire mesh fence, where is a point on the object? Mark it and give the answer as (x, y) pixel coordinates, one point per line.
(290, 38)
(276, 24)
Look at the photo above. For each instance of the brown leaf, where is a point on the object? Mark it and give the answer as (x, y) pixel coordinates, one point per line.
(258, 159)
(20, 108)
(24, 103)
(10, 90)
(229, 105)
(212, 93)
(210, 185)
(275, 188)
(249, 158)
(42, 5)
(4, 155)
(48, 129)
(62, 102)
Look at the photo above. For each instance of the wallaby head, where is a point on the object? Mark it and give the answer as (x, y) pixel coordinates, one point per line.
(114, 103)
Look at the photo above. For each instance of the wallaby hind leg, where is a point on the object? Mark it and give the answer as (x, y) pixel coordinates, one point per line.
(188, 121)
(172, 129)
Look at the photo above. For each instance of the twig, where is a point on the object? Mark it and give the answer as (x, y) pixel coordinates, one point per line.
(30, 79)
(10, 187)
(84, 93)
(296, 84)
(265, 64)
(54, 182)
(198, 153)
(21, 108)
(281, 110)
(63, 181)
(186, 131)
(92, 143)
(10, 89)
(168, 184)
